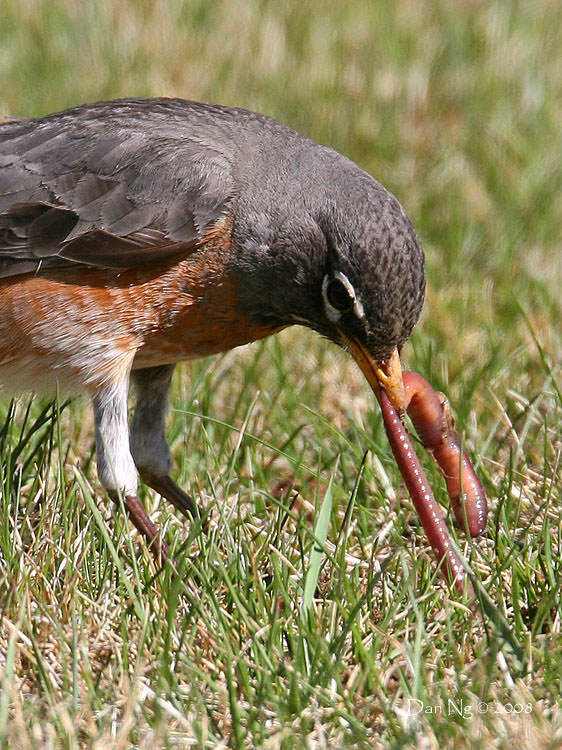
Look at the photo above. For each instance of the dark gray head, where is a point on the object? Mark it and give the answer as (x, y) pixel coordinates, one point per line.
(337, 253)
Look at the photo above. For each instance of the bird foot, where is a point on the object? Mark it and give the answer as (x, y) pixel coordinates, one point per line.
(169, 490)
(144, 525)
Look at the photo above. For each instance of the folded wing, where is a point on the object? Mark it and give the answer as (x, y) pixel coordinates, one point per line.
(113, 185)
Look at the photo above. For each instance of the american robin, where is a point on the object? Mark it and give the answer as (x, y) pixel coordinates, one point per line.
(140, 232)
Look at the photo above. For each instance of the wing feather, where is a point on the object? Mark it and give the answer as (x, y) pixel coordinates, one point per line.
(114, 185)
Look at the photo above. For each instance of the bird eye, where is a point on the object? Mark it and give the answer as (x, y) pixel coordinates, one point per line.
(339, 296)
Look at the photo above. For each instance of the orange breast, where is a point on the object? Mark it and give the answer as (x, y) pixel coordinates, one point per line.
(84, 327)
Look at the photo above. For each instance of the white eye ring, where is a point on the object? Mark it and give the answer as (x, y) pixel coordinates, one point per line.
(332, 313)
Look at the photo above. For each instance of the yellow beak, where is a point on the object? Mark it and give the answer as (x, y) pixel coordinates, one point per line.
(386, 374)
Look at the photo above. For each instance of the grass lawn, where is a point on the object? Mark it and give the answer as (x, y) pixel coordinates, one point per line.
(311, 614)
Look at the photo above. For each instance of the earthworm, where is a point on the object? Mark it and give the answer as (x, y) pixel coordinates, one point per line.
(429, 511)
(431, 416)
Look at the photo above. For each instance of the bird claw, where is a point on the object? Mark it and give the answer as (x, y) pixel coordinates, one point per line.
(170, 491)
(144, 525)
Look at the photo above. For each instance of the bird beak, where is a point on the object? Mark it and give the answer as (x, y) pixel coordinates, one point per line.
(385, 374)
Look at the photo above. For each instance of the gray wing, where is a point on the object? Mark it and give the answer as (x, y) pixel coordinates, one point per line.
(112, 185)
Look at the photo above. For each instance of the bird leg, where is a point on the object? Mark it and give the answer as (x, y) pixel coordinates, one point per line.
(116, 468)
(149, 447)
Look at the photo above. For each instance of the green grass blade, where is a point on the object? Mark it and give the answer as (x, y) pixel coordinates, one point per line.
(317, 552)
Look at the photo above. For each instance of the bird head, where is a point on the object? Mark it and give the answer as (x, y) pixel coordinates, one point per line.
(339, 256)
